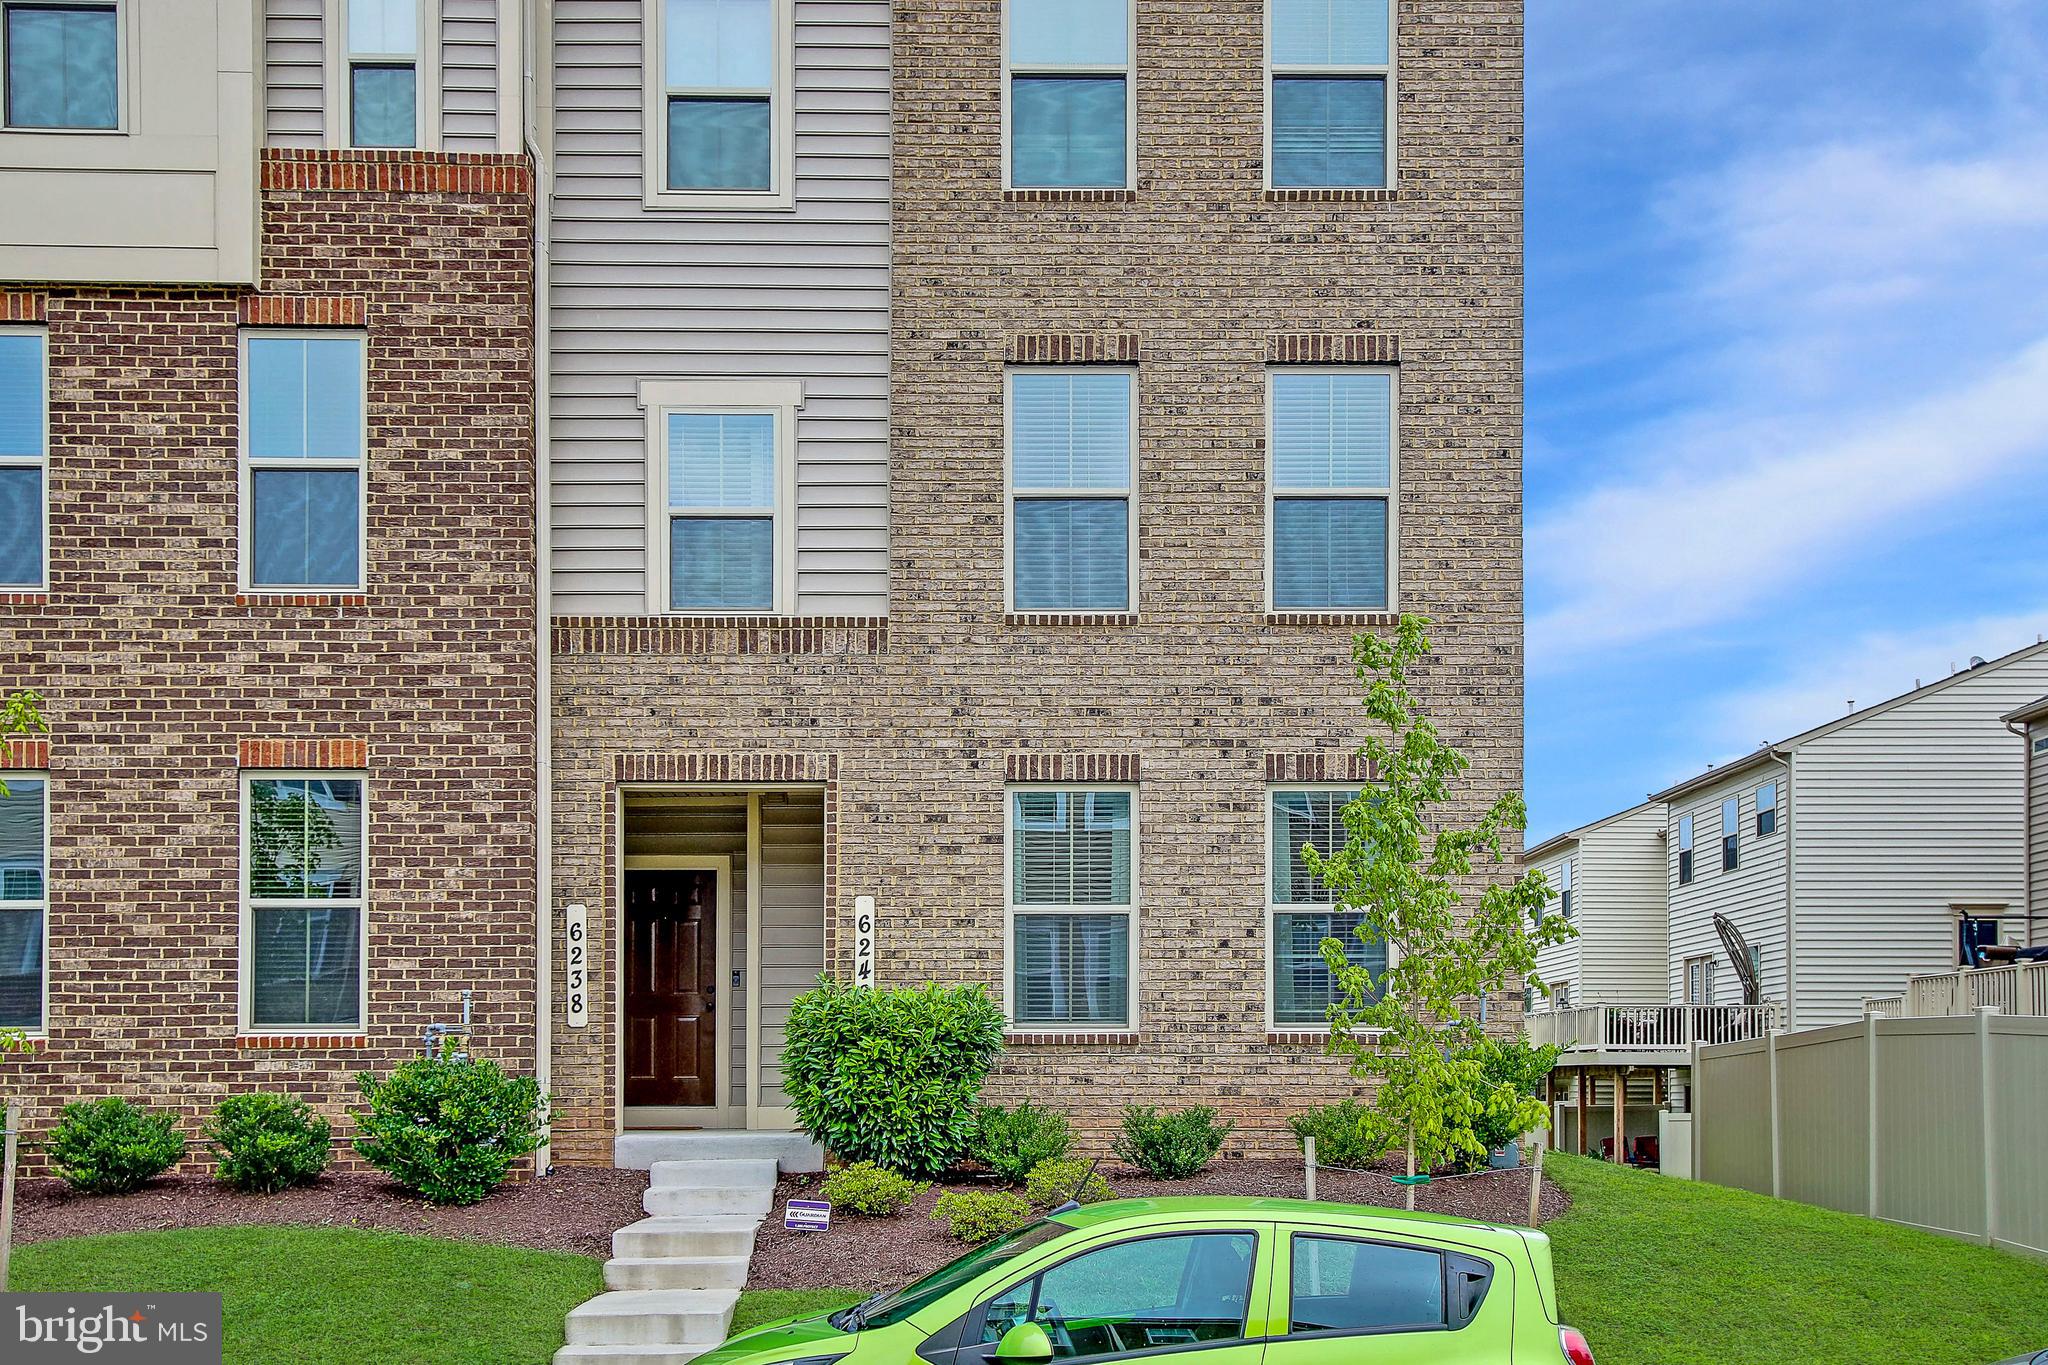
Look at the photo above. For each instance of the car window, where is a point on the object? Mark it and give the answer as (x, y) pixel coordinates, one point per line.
(1142, 1295)
(1339, 1285)
(886, 1310)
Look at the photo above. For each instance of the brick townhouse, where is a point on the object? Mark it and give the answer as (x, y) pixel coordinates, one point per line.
(973, 432)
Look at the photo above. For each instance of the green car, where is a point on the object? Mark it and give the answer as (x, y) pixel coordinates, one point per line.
(1239, 1281)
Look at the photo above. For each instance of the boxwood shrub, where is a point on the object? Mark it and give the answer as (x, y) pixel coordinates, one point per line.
(449, 1127)
(111, 1146)
(267, 1143)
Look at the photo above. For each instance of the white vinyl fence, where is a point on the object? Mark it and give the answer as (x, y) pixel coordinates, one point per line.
(1933, 1123)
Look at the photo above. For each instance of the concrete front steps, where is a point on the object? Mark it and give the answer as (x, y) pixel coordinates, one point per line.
(675, 1276)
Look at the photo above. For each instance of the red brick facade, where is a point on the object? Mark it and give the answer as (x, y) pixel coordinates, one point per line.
(164, 681)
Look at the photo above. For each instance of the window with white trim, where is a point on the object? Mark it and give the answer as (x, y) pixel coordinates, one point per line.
(1564, 889)
(24, 898)
(724, 495)
(1731, 834)
(1301, 912)
(1685, 850)
(1067, 80)
(719, 103)
(1073, 449)
(1072, 901)
(1331, 525)
(304, 448)
(1766, 809)
(1699, 980)
(303, 874)
(1330, 70)
(62, 65)
(384, 40)
(24, 455)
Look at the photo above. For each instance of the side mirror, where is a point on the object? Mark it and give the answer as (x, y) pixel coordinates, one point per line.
(1026, 1344)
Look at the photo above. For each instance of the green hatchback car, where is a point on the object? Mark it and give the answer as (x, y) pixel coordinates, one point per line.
(1237, 1281)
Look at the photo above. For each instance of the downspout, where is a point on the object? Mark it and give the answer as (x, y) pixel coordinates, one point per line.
(1787, 809)
(2027, 851)
(544, 803)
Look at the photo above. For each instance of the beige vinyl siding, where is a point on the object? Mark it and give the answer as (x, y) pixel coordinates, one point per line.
(792, 896)
(1560, 963)
(639, 293)
(294, 76)
(1618, 891)
(1752, 896)
(1902, 816)
(469, 75)
(2037, 839)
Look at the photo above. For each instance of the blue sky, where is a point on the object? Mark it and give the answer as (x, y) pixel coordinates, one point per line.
(1787, 375)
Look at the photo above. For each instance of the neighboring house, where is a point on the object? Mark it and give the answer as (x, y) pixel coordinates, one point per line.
(266, 542)
(1607, 878)
(2031, 724)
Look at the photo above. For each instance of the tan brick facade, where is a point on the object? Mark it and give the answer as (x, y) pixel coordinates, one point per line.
(163, 682)
(1202, 696)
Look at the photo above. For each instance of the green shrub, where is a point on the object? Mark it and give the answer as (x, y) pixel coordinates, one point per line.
(1173, 1145)
(267, 1143)
(1513, 1072)
(890, 1076)
(867, 1189)
(1347, 1133)
(1012, 1142)
(111, 1146)
(1052, 1183)
(981, 1215)
(448, 1128)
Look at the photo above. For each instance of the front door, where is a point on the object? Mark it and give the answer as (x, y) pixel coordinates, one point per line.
(671, 989)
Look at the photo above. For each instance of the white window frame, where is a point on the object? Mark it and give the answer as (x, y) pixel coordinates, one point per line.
(1011, 493)
(124, 68)
(1274, 909)
(247, 466)
(43, 905)
(1757, 808)
(780, 196)
(1391, 493)
(1389, 71)
(1700, 991)
(246, 947)
(1565, 908)
(1688, 842)
(1128, 70)
(1011, 910)
(781, 399)
(1731, 830)
(339, 117)
(39, 462)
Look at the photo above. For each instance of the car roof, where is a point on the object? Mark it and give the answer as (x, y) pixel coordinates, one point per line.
(1362, 1216)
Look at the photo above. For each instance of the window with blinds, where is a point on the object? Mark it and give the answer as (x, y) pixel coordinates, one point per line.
(24, 899)
(1069, 74)
(1072, 900)
(1333, 464)
(304, 446)
(1301, 911)
(721, 511)
(1071, 458)
(1330, 62)
(24, 440)
(302, 901)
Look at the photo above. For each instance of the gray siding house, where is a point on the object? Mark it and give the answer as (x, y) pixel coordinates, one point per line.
(1608, 879)
(2031, 724)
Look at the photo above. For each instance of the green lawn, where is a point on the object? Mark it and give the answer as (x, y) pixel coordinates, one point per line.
(1668, 1272)
(338, 1296)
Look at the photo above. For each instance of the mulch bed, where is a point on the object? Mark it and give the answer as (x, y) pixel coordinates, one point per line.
(576, 1209)
(881, 1253)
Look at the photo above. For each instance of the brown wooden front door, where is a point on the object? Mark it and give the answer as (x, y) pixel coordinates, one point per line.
(671, 988)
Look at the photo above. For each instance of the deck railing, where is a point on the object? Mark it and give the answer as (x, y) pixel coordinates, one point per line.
(2016, 988)
(1650, 1028)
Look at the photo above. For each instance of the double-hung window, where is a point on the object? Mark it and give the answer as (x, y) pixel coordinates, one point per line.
(720, 110)
(1331, 68)
(62, 64)
(384, 73)
(1564, 889)
(304, 450)
(302, 901)
(725, 489)
(1072, 453)
(24, 899)
(1766, 809)
(1685, 837)
(1073, 900)
(24, 452)
(1070, 91)
(1331, 532)
(1731, 834)
(1301, 912)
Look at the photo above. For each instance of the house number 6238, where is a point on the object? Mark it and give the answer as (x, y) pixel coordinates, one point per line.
(577, 962)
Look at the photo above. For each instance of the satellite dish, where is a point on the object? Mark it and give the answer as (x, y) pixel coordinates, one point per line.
(1738, 953)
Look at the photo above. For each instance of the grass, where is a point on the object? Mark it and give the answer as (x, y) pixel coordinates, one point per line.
(766, 1305)
(1667, 1272)
(337, 1296)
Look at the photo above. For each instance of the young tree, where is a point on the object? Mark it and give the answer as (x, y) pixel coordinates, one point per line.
(1407, 1028)
(21, 714)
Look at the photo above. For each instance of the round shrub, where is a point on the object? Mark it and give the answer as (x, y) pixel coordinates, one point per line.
(1174, 1145)
(869, 1190)
(111, 1146)
(981, 1215)
(267, 1143)
(1052, 1183)
(1347, 1133)
(890, 1076)
(448, 1128)
(1012, 1142)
